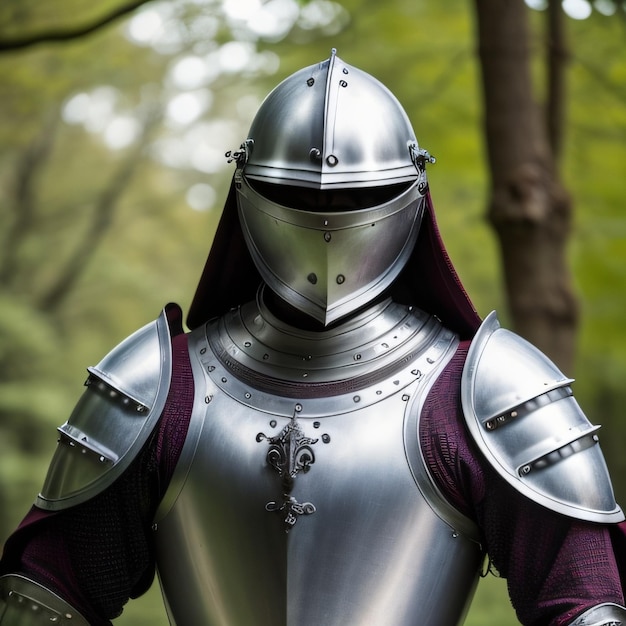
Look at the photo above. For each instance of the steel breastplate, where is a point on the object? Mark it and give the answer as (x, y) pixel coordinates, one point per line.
(301, 497)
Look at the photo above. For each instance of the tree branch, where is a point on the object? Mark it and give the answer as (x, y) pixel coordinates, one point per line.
(557, 58)
(24, 205)
(67, 34)
(102, 218)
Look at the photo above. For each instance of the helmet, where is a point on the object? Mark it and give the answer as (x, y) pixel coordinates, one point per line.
(331, 188)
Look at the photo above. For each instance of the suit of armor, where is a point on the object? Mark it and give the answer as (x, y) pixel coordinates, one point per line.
(339, 439)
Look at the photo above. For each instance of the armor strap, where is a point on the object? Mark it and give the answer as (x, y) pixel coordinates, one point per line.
(24, 602)
(608, 614)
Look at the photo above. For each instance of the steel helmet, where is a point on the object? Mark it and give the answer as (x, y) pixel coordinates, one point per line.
(330, 189)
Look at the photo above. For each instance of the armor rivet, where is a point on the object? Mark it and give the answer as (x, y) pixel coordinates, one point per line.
(343, 83)
(315, 154)
(312, 278)
(385, 345)
(35, 607)
(310, 81)
(101, 459)
(207, 399)
(596, 438)
(357, 357)
(224, 379)
(455, 535)
(54, 619)
(247, 344)
(405, 396)
(211, 368)
(356, 398)
(203, 351)
(526, 469)
(298, 408)
(248, 395)
(341, 279)
(316, 424)
(327, 237)
(332, 160)
(345, 70)
(490, 425)
(379, 393)
(273, 423)
(326, 438)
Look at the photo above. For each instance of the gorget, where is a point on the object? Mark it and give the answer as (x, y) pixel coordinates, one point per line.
(301, 497)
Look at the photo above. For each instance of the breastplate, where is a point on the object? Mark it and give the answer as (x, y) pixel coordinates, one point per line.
(301, 497)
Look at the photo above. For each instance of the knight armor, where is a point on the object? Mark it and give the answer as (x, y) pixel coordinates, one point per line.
(302, 494)
(330, 213)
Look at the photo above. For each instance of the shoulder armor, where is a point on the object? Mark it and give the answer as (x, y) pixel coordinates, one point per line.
(523, 416)
(115, 416)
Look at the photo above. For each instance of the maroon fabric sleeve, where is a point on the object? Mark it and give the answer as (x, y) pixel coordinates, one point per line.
(556, 567)
(98, 554)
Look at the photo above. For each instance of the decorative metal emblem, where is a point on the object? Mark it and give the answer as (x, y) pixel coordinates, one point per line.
(290, 452)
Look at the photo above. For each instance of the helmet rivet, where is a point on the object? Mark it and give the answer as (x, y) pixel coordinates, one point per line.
(315, 154)
(341, 279)
(343, 83)
(310, 82)
(332, 160)
(327, 236)
(345, 70)
(312, 278)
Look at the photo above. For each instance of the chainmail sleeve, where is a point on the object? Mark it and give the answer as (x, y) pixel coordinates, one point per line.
(556, 567)
(99, 554)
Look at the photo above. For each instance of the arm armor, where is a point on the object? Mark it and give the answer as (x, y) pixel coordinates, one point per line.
(23, 602)
(522, 415)
(602, 615)
(114, 418)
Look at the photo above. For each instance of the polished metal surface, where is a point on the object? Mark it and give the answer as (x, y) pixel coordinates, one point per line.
(332, 127)
(329, 264)
(113, 418)
(24, 602)
(522, 414)
(301, 497)
(602, 615)
(314, 130)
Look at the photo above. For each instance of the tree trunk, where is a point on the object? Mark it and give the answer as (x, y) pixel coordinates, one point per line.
(529, 208)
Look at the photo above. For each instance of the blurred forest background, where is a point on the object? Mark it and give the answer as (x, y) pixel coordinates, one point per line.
(113, 175)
